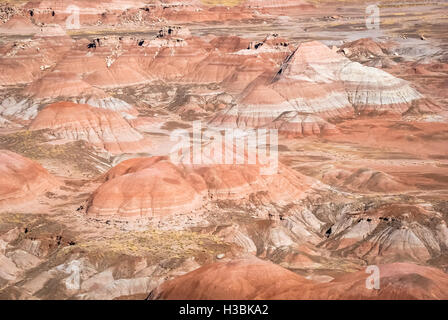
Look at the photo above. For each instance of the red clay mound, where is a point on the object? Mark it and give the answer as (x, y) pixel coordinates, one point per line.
(61, 84)
(21, 179)
(157, 187)
(299, 125)
(151, 187)
(398, 281)
(103, 128)
(316, 80)
(229, 43)
(23, 61)
(242, 181)
(244, 279)
(18, 25)
(255, 279)
(255, 176)
(364, 48)
(361, 180)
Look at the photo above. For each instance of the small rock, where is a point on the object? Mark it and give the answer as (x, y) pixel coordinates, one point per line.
(220, 256)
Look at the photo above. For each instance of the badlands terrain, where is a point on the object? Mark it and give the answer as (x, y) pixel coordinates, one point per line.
(95, 96)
